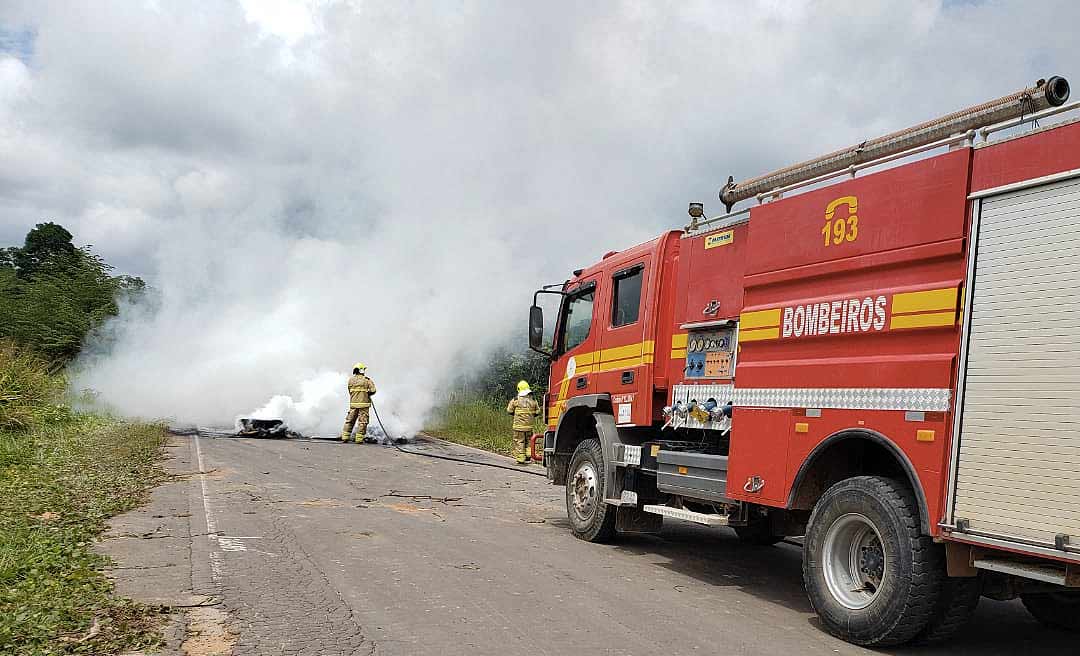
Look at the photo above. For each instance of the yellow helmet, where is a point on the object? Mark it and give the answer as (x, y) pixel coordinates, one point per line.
(523, 388)
(361, 366)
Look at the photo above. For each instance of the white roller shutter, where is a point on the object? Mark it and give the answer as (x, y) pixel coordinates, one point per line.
(1018, 471)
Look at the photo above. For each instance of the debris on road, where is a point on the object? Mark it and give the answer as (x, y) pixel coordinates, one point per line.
(271, 428)
(421, 497)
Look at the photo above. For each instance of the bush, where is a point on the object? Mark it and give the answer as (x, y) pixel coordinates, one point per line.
(475, 421)
(27, 390)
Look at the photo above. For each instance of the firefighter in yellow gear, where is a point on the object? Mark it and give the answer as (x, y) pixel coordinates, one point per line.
(361, 389)
(525, 410)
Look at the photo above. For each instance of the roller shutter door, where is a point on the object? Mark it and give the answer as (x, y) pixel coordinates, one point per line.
(1018, 471)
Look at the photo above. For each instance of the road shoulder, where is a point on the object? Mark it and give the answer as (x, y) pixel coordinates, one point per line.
(152, 549)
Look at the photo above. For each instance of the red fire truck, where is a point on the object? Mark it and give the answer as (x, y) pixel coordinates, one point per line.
(881, 363)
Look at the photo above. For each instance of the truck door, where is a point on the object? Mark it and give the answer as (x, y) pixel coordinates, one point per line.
(573, 371)
(624, 362)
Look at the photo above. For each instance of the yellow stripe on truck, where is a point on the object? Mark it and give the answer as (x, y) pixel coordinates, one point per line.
(756, 334)
(759, 319)
(585, 358)
(678, 345)
(625, 364)
(928, 301)
(929, 320)
(621, 352)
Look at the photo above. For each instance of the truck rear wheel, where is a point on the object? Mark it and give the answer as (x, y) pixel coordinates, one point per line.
(871, 576)
(959, 599)
(591, 519)
(1060, 610)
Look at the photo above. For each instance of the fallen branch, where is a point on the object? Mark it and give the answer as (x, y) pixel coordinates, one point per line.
(421, 497)
(204, 604)
(155, 536)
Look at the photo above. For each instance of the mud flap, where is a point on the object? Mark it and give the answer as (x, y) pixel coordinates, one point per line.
(629, 519)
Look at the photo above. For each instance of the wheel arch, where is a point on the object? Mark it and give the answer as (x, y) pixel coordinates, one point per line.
(573, 421)
(854, 452)
(577, 422)
(583, 417)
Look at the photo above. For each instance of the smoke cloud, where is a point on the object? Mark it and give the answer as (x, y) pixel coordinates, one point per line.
(308, 184)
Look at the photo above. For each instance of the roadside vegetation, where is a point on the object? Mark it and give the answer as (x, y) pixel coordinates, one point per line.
(63, 473)
(474, 413)
(475, 422)
(53, 295)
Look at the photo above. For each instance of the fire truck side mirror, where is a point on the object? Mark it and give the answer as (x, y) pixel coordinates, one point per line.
(536, 327)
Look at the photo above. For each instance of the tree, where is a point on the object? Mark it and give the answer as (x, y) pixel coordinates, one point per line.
(53, 294)
(47, 244)
(7, 258)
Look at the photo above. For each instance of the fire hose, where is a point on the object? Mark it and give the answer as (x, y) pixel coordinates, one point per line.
(450, 458)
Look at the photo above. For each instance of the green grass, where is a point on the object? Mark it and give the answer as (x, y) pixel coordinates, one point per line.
(61, 477)
(475, 422)
(26, 389)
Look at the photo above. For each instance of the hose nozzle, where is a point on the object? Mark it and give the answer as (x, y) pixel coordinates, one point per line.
(1056, 90)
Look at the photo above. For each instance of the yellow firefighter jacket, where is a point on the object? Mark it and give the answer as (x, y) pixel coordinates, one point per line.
(524, 408)
(360, 390)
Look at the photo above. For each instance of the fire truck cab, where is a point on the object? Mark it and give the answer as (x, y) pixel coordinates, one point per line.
(883, 365)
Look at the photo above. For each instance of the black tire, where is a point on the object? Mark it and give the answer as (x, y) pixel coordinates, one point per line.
(591, 519)
(879, 517)
(758, 532)
(959, 599)
(1059, 610)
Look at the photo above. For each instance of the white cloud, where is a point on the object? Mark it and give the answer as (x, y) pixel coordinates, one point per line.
(312, 183)
(289, 19)
(117, 232)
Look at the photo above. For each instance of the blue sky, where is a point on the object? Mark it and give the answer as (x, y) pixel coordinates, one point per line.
(18, 43)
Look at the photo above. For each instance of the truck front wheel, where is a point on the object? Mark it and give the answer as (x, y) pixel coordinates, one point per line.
(591, 519)
(1060, 610)
(871, 576)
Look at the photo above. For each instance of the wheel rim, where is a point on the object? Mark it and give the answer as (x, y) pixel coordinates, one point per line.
(584, 491)
(854, 561)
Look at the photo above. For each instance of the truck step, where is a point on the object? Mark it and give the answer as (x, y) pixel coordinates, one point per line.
(1034, 571)
(708, 519)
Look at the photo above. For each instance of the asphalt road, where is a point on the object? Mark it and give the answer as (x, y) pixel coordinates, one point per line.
(323, 548)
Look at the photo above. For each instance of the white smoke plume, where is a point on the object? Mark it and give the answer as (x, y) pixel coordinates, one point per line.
(308, 184)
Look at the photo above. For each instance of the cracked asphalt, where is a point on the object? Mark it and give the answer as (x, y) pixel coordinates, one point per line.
(323, 548)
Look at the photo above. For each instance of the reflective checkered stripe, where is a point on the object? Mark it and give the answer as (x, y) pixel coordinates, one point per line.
(854, 398)
(686, 393)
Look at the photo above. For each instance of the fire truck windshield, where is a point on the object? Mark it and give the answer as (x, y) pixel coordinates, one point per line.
(576, 320)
